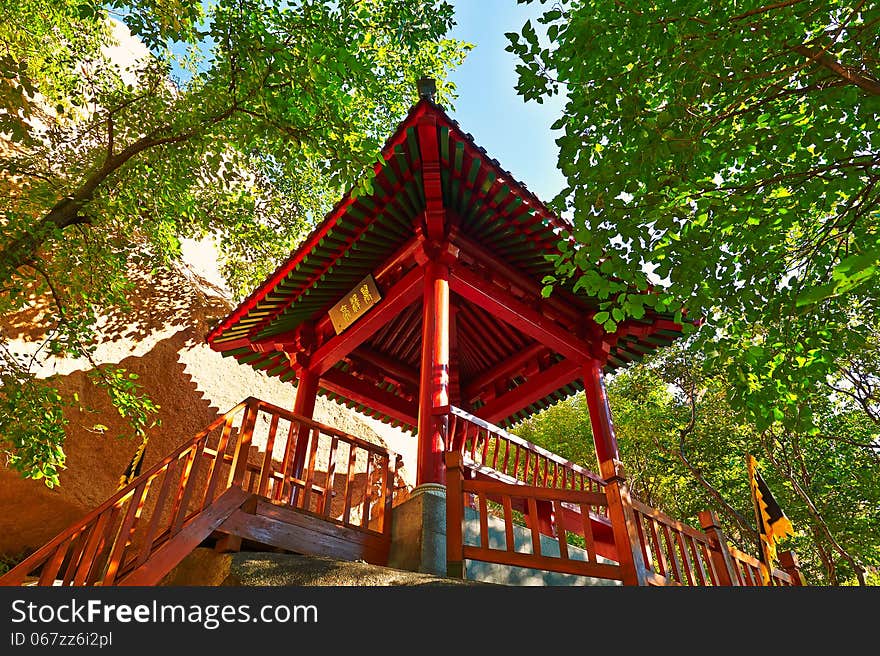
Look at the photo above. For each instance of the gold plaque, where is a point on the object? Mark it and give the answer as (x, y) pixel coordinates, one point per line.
(354, 304)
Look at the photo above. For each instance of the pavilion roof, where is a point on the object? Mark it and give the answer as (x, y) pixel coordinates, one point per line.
(488, 206)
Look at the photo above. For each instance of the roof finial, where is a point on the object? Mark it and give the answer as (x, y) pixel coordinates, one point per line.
(427, 87)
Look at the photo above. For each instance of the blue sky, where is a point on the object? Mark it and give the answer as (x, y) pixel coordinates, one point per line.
(515, 133)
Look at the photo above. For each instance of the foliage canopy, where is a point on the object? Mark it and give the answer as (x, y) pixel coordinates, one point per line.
(730, 150)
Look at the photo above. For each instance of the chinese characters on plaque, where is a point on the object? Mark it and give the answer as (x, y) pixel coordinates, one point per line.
(354, 304)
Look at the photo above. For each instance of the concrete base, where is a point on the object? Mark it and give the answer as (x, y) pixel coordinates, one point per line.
(418, 531)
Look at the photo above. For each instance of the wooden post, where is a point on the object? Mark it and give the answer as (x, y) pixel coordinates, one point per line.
(304, 406)
(604, 438)
(788, 562)
(543, 517)
(243, 447)
(454, 517)
(625, 530)
(721, 558)
(434, 376)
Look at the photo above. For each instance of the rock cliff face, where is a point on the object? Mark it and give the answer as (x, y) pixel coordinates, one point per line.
(162, 340)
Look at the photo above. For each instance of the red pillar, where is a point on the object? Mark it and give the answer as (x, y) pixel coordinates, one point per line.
(306, 394)
(434, 376)
(600, 418)
(304, 406)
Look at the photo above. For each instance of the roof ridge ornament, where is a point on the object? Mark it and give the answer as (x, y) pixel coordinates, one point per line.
(427, 88)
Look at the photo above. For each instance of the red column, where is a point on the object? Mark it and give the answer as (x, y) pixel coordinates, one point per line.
(306, 394)
(304, 406)
(600, 418)
(434, 376)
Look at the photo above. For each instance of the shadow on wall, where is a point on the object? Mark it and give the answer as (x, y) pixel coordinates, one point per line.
(162, 340)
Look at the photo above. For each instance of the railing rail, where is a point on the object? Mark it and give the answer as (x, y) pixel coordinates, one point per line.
(316, 465)
(484, 445)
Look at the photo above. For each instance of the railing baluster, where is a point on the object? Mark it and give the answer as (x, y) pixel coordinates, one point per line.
(214, 471)
(189, 480)
(266, 468)
(87, 559)
(508, 522)
(589, 541)
(126, 530)
(484, 520)
(658, 550)
(309, 478)
(79, 543)
(685, 559)
(286, 485)
(153, 526)
(368, 490)
(670, 550)
(561, 535)
(51, 566)
(331, 477)
(349, 483)
(533, 525)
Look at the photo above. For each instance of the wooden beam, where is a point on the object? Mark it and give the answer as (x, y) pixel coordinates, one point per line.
(395, 368)
(369, 395)
(503, 369)
(435, 213)
(519, 315)
(396, 259)
(402, 294)
(534, 389)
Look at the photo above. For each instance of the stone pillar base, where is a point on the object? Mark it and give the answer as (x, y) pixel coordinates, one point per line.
(418, 531)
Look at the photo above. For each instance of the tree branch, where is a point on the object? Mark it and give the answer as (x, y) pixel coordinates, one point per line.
(821, 57)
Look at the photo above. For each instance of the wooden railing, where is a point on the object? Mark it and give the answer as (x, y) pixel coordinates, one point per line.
(650, 547)
(676, 554)
(124, 532)
(747, 571)
(530, 553)
(672, 552)
(484, 445)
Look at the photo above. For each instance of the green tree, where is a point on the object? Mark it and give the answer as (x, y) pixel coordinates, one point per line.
(243, 123)
(731, 149)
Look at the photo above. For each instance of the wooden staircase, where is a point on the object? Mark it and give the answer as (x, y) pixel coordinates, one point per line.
(311, 489)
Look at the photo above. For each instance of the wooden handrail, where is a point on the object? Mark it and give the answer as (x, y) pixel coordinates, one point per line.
(324, 428)
(116, 501)
(528, 447)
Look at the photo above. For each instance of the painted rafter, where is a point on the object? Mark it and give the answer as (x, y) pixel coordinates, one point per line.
(435, 213)
(504, 306)
(505, 369)
(534, 389)
(369, 395)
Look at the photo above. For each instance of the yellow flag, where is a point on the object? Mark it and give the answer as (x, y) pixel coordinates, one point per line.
(773, 525)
